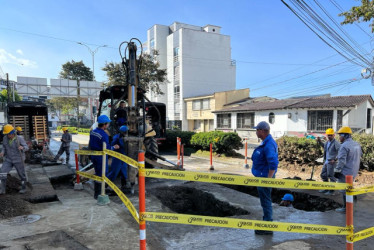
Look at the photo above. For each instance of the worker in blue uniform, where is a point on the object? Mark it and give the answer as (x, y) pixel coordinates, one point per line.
(97, 137)
(118, 166)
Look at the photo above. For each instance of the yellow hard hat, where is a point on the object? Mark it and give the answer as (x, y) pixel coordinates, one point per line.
(19, 129)
(330, 131)
(64, 129)
(8, 129)
(345, 130)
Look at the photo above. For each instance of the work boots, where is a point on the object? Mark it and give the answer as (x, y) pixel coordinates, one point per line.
(97, 189)
(23, 188)
(2, 186)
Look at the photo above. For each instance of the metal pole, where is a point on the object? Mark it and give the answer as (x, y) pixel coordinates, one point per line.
(142, 224)
(93, 64)
(103, 171)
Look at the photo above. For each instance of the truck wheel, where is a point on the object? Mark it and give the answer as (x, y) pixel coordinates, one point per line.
(150, 144)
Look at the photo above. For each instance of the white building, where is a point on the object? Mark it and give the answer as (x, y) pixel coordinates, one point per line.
(299, 116)
(198, 62)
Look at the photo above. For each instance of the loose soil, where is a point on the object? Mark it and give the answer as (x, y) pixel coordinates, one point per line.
(186, 200)
(11, 206)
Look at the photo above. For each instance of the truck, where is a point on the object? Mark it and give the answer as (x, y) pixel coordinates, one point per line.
(32, 117)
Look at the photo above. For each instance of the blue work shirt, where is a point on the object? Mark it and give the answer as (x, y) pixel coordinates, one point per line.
(117, 139)
(265, 157)
(97, 137)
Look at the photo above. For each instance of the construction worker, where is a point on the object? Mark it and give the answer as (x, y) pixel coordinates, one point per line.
(348, 159)
(97, 137)
(121, 114)
(65, 145)
(119, 166)
(19, 131)
(287, 200)
(265, 164)
(330, 154)
(14, 148)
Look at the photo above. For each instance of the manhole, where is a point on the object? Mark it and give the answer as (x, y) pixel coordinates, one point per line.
(302, 201)
(188, 200)
(24, 219)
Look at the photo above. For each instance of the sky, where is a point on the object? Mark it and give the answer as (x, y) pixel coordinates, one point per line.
(276, 54)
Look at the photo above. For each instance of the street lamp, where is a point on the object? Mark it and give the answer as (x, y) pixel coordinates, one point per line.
(93, 52)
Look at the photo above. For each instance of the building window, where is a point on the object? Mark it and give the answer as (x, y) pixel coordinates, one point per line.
(320, 120)
(152, 43)
(176, 108)
(196, 125)
(368, 118)
(176, 92)
(224, 121)
(339, 119)
(176, 54)
(245, 120)
(201, 104)
(205, 104)
(271, 118)
(176, 73)
(196, 105)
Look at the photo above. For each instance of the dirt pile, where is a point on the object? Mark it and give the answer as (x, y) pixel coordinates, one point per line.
(11, 206)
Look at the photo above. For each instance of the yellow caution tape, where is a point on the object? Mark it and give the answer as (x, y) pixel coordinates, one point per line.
(243, 223)
(90, 176)
(361, 190)
(242, 180)
(122, 157)
(124, 199)
(88, 152)
(361, 235)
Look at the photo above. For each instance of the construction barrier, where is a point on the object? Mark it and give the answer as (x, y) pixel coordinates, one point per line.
(144, 216)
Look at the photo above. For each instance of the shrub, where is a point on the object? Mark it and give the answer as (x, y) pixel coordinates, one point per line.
(222, 142)
(300, 150)
(367, 145)
(171, 138)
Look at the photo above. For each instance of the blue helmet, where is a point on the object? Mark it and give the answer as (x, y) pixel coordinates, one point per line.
(123, 128)
(287, 197)
(103, 119)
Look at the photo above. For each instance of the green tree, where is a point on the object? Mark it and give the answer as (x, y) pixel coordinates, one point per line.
(76, 70)
(150, 76)
(63, 104)
(4, 96)
(363, 13)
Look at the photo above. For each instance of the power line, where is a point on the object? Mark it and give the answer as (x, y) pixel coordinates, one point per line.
(52, 37)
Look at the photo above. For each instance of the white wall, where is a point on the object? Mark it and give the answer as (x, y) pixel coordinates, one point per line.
(298, 121)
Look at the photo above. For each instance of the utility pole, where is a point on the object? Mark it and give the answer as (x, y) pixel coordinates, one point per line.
(7, 88)
(78, 99)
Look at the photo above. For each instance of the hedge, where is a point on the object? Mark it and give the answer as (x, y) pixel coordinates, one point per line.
(300, 150)
(303, 150)
(222, 142)
(171, 138)
(367, 145)
(74, 130)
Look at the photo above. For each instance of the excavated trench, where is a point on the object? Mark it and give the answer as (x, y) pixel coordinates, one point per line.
(302, 201)
(187, 200)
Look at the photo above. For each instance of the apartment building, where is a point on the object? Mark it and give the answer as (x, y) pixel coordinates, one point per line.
(199, 108)
(198, 62)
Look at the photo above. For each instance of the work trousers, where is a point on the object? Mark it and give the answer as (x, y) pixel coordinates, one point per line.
(7, 166)
(327, 172)
(266, 204)
(61, 151)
